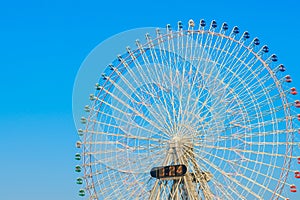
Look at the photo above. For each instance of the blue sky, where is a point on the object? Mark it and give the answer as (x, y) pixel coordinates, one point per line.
(42, 45)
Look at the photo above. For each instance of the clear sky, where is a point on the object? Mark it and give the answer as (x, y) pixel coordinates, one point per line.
(42, 45)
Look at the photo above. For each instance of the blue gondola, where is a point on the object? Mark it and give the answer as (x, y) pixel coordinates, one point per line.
(169, 28)
(256, 41)
(213, 24)
(111, 67)
(274, 58)
(265, 49)
(225, 26)
(180, 26)
(246, 35)
(119, 58)
(236, 30)
(281, 68)
(104, 77)
(202, 23)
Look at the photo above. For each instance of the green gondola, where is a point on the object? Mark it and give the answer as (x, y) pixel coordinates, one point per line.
(81, 192)
(77, 156)
(79, 181)
(77, 168)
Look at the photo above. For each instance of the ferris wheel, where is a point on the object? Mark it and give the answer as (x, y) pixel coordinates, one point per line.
(198, 113)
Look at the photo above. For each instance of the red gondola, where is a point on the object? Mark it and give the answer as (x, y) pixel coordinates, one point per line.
(288, 79)
(293, 91)
(297, 174)
(293, 188)
(298, 160)
(297, 103)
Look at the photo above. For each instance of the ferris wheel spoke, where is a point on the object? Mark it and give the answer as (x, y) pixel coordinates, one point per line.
(236, 150)
(236, 106)
(214, 104)
(240, 64)
(200, 177)
(219, 42)
(136, 112)
(245, 177)
(233, 69)
(257, 97)
(182, 75)
(103, 162)
(206, 60)
(125, 129)
(173, 72)
(267, 123)
(248, 67)
(261, 94)
(265, 102)
(217, 184)
(174, 82)
(231, 178)
(164, 82)
(247, 95)
(251, 170)
(152, 112)
(239, 136)
(272, 133)
(253, 116)
(163, 102)
(163, 94)
(144, 77)
(121, 136)
(218, 113)
(223, 191)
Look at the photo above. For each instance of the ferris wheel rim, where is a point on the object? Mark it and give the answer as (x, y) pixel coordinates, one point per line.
(287, 158)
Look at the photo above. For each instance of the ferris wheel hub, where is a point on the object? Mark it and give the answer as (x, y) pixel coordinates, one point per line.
(179, 142)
